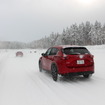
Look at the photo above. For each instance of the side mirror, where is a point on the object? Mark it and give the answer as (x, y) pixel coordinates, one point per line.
(43, 54)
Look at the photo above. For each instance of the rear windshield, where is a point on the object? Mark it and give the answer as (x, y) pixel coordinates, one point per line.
(75, 50)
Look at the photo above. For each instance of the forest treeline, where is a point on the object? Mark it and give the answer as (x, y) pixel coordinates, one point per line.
(82, 34)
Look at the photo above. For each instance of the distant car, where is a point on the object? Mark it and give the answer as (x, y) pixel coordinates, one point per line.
(67, 61)
(19, 54)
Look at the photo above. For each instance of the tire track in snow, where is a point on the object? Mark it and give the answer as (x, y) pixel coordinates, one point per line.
(45, 92)
(12, 82)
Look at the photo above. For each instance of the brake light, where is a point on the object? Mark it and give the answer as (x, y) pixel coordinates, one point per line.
(92, 56)
(64, 57)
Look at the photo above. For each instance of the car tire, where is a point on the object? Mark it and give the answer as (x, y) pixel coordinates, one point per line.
(86, 76)
(54, 72)
(40, 66)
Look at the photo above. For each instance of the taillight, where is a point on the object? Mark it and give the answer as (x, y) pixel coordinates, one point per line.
(64, 57)
(92, 56)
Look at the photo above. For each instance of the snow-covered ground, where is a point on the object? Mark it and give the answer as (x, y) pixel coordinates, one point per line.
(21, 83)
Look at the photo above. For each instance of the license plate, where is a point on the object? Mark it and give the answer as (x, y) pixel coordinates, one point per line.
(80, 61)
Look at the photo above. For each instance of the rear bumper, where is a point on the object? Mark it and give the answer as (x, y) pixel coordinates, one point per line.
(78, 73)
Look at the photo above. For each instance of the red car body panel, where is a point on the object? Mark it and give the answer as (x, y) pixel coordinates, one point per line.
(68, 63)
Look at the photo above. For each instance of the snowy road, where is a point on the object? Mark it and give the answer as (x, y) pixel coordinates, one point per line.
(21, 83)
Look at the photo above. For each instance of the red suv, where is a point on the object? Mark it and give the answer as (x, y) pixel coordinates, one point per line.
(67, 60)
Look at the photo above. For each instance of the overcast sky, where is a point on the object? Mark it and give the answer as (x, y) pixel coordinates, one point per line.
(28, 20)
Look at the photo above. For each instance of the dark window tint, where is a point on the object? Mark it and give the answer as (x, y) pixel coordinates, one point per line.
(54, 51)
(51, 51)
(48, 52)
(75, 50)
